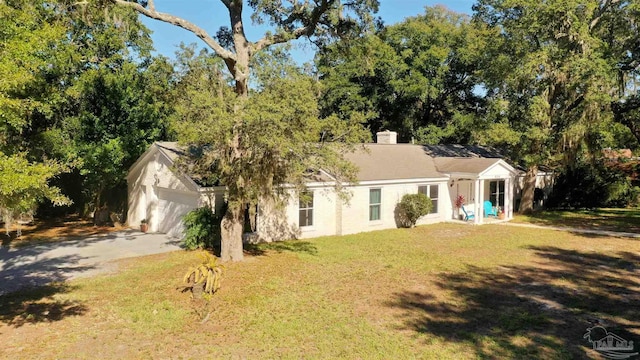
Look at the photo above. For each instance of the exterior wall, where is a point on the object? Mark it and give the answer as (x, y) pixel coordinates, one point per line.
(324, 213)
(496, 172)
(544, 181)
(281, 221)
(332, 216)
(143, 196)
(355, 214)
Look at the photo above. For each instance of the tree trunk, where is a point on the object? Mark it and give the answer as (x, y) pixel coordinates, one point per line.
(240, 68)
(232, 227)
(526, 202)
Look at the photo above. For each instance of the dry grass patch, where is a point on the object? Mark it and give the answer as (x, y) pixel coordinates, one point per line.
(488, 292)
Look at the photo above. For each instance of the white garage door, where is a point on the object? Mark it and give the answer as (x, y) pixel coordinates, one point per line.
(172, 206)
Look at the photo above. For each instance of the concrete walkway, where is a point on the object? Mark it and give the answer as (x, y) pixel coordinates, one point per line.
(578, 230)
(41, 264)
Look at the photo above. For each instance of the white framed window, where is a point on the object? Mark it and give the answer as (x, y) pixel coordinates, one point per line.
(375, 204)
(496, 193)
(432, 192)
(305, 212)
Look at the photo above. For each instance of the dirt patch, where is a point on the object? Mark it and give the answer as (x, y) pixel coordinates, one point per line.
(52, 230)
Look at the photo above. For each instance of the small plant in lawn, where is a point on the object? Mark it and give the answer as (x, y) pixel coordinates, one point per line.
(204, 280)
(413, 207)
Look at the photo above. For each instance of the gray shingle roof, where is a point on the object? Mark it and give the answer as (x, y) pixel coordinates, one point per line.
(399, 161)
(393, 162)
(468, 165)
(170, 148)
(457, 150)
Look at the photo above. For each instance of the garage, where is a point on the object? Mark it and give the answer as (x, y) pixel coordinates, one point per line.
(160, 194)
(172, 206)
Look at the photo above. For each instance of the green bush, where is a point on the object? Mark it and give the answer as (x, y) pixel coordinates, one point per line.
(412, 207)
(202, 229)
(595, 185)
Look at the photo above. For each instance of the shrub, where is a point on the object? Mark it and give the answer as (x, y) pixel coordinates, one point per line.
(202, 229)
(593, 185)
(414, 206)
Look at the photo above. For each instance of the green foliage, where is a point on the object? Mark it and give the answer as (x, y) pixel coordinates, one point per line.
(30, 36)
(255, 142)
(414, 206)
(120, 114)
(550, 76)
(202, 229)
(24, 184)
(79, 86)
(593, 185)
(282, 136)
(206, 277)
(418, 77)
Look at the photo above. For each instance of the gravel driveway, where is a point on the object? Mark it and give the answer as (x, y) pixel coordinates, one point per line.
(40, 264)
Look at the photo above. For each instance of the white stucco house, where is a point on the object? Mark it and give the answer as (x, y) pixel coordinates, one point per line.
(387, 170)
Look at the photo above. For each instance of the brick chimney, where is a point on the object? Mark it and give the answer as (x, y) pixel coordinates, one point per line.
(387, 137)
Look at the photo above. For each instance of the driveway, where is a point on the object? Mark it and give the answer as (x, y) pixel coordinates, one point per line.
(41, 264)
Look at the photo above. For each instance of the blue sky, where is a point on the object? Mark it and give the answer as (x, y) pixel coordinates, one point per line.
(210, 15)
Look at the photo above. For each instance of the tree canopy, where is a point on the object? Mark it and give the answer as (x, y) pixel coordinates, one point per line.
(76, 98)
(418, 77)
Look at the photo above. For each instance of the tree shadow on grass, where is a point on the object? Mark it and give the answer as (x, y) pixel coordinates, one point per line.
(29, 281)
(539, 311)
(38, 304)
(622, 220)
(296, 246)
(594, 234)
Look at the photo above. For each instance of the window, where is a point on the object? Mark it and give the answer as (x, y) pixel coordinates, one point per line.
(496, 192)
(432, 192)
(305, 213)
(375, 202)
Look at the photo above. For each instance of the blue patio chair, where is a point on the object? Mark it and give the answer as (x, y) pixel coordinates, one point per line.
(468, 214)
(489, 210)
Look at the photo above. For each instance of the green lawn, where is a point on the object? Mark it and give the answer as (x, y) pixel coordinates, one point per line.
(625, 220)
(441, 291)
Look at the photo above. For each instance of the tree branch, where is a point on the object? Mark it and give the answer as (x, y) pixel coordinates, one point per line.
(597, 16)
(307, 30)
(150, 12)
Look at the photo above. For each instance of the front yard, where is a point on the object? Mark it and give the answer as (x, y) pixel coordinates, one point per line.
(439, 291)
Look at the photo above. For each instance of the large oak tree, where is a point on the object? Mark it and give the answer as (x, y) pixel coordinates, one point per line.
(248, 163)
